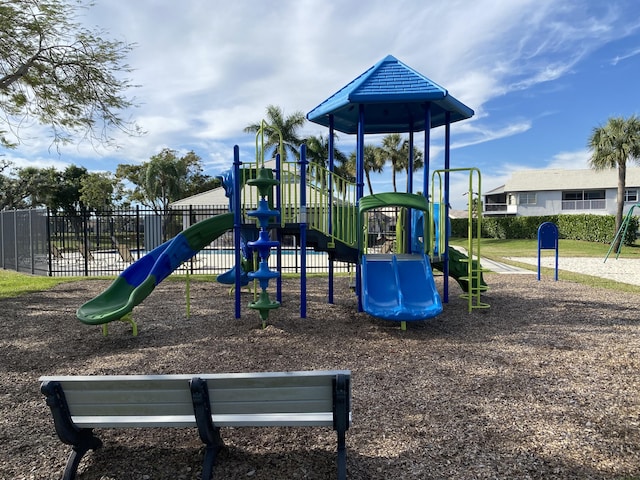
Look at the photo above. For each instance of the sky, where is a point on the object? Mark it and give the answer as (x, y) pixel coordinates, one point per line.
(540, 75)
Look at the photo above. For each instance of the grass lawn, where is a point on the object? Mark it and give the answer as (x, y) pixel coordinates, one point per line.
(497, 249)
(13, 284)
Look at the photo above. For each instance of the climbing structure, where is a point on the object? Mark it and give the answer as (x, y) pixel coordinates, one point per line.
(264, 182)
(391, 97)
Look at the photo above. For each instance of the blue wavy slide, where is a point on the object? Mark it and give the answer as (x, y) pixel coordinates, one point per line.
(399, 287)
(137, 282)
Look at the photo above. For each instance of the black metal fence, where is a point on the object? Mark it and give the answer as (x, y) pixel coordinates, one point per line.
(41, 242)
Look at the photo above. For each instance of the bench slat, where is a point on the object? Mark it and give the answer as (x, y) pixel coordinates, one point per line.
(230, 408)
(322, 419)
(129, 394)
(296, 376)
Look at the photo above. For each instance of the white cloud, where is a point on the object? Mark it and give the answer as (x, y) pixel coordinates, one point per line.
(625, 56)
(209, 68)
(570, 160)
(475, 133)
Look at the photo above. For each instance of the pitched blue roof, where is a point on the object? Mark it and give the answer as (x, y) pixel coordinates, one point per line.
(393, 95)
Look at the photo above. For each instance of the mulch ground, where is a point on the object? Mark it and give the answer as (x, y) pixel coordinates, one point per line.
(543, 384)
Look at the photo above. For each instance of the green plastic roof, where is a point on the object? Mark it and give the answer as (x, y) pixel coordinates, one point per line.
(394, 98)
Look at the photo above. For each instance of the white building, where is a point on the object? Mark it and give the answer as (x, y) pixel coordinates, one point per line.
(552, 192)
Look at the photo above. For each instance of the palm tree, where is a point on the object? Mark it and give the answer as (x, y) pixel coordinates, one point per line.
(346, 170)
(396, 151)
(318, 156)
(391, 151)
(277, 125)
(418, 162)
(374, 161)
(612, 145)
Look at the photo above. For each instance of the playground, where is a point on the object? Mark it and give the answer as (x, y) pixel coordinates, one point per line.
(453, 374)
(541, 385)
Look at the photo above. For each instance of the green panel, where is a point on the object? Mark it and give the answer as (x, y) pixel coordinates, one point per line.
(203, 233)
(407, 200)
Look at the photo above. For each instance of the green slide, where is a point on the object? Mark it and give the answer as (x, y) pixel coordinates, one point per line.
(458, 269)
(135, 283)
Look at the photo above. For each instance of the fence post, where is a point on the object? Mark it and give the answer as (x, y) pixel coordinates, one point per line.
(85, 239)
(48, 244)
(32, 255)
(2, 243)
(15, 237)
(191, 217)
(137, 232)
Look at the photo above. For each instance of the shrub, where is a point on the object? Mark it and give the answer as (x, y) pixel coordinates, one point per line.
(591, 228)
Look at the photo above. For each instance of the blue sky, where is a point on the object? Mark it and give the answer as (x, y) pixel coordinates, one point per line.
(540, 75)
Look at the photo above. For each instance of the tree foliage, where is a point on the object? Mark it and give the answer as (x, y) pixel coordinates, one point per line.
(59, 74)
(32, 187)
(612, 146)
(165, 178)
(101, 191)
(280, 126)
(318, 157)
(395, 150)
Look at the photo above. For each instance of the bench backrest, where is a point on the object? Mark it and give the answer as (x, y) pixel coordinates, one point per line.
(236, 399)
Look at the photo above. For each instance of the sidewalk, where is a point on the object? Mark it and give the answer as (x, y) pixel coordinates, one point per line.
(623, 270)
(498, 267)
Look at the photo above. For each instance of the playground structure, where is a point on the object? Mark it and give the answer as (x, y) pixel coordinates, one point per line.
(621, 233)
(326, 212)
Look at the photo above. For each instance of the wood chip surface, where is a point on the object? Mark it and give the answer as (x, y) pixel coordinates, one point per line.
(542, 385)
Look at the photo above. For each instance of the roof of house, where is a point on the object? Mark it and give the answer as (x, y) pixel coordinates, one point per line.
(495, 191)
(394, 96)
(545, 180)
(213, 198)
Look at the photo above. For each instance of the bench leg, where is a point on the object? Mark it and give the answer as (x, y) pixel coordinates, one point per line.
(81, 439)
(76, 455)
(341, 408)
(342, 456)
(209, 433)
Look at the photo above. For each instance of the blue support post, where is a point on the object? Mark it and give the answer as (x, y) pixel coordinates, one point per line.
(408, 226)
(303, 231)
(331, 167)
(359, 194)
(237, 221)
(279, 230)
(447, 166)
(427, 144)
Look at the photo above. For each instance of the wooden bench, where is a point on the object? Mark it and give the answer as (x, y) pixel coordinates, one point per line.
(208, 402)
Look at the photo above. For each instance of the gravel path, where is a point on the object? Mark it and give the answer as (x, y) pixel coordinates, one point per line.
(625, 270)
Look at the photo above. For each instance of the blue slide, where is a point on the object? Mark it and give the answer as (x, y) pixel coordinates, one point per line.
(399, 287)
(137, 282)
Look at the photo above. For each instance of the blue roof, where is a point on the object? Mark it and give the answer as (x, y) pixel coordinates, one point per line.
(394, 95)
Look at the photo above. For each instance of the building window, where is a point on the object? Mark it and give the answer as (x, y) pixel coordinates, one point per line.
(528, 198)
(631, 195)
(584, 200)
